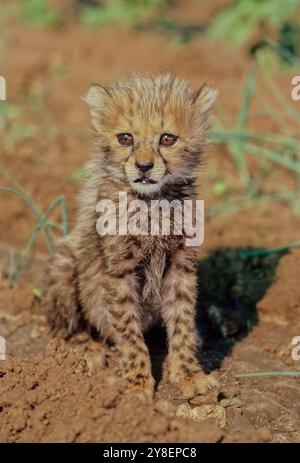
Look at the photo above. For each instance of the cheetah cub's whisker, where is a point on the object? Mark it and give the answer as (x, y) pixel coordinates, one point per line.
(150, 136)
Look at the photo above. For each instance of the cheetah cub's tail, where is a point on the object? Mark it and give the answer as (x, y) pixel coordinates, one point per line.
(60, 291)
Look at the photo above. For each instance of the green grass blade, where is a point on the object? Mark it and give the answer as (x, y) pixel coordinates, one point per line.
(29, 204)
(238, 146)
(23, 260)
(268, 373)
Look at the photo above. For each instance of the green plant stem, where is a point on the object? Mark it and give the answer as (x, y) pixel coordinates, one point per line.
(22, 261)
(270, 154)
(267, 373)
(274, 156)
(29, 204)
(225, 136)
(263, 252)
(237, 145)
(230, 207)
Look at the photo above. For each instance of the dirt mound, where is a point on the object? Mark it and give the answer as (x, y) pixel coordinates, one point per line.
(53, 397)
(59, 391)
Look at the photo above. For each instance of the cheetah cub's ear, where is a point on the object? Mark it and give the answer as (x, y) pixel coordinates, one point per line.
(204, 98)
(96, 98)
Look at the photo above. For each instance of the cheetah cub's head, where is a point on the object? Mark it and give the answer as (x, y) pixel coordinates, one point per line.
(151, 130)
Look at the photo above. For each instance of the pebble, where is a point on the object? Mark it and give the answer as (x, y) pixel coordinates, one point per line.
(95, 361)
(199, 414)
(234, 402)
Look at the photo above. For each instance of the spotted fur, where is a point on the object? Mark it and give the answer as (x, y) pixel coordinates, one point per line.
(122, 285)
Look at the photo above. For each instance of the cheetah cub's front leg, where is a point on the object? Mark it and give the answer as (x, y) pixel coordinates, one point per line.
(179, 299)
(134, 358)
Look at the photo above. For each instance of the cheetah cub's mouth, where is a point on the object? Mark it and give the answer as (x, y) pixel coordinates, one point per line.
(145, 186)
(145, 181)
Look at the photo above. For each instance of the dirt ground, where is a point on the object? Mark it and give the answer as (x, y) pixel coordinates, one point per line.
(57, 391)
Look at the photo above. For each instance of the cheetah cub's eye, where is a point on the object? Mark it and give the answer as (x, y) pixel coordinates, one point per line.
(167, 139)
(125, 139)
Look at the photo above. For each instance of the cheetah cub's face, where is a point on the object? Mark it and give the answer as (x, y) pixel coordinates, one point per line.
(151, 130)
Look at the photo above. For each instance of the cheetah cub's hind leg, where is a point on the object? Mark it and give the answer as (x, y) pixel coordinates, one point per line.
(60, 291)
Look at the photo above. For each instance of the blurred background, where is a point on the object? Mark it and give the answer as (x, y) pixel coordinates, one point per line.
(51, 51)
(249, 295)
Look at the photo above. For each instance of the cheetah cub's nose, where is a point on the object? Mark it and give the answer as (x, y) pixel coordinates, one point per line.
(144, 166)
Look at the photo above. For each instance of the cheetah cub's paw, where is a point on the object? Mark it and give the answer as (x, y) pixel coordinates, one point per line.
(198, 383)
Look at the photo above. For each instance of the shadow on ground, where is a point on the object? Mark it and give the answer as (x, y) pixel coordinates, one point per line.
(231, 282)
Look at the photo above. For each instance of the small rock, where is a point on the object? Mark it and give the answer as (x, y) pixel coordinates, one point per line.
(55, 346)
(234, 402)
(111, 400)
(95, 361)
(202, 413)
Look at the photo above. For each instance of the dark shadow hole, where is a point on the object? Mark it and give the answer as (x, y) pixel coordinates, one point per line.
(230, 284)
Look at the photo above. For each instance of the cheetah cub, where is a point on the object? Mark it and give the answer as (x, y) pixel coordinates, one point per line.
(150, 137)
